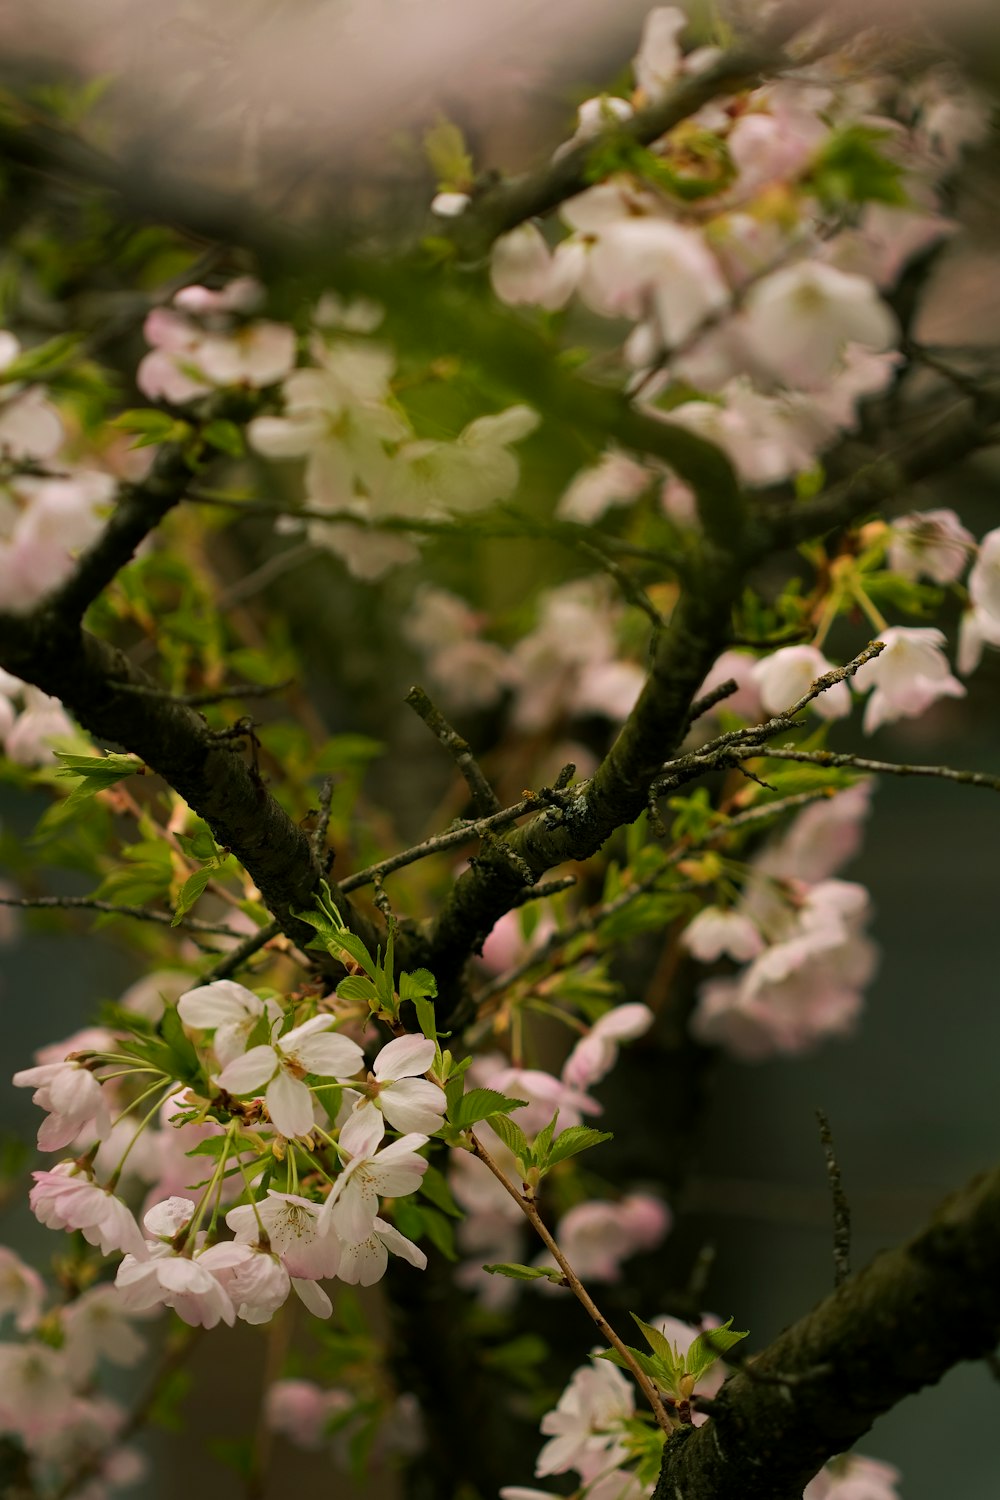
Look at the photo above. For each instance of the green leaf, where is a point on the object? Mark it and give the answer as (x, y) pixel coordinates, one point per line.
(574, 1140)
(95, 772)
(151, 426)
(417, 985)
(357, 987)
(434, 1185)
(440, 1232)
(426, 1016)
(527, 1273)
(851, 168)
(444, 145)
(184, 1063)
(665, 1352)
(543, 1141)
(711, 1346)
(646, 1362)
(42, 359)
(225, 436)
(514, 1139)
(189, 892)
(480, 1104)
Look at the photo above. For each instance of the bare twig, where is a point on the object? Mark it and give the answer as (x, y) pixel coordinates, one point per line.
(527, 1206)
(882, 767)
(139, 913)
(484, 798)
(239, 955)
(201, 700)
(841, 1207)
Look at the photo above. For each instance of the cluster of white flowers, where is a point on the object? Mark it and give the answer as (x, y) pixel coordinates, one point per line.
(282, 1240)
(736, 279)
(800, 934)
(591, 1430)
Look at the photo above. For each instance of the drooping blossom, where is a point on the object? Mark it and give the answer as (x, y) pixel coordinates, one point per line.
(66, 1198)
(365, 1262)
(596, 1236)
(22, 1291)
(305, 1243)
(585, 1429)
(714, 932)
(931, 544)
(301, 1411)
(800, 318)
(852, 1477)
(73, 1099)
(96, 1326)
(595, 1055)
(787, 675)
(907, 677)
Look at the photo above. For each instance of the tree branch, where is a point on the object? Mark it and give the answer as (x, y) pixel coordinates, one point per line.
(895, 1327)
(884, 767)
(502, 207)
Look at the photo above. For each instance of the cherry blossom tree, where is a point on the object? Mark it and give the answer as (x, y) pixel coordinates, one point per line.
(639, 459)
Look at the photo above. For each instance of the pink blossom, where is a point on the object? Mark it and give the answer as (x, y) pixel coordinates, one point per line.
(595, 1055)
(932, 544)
(73, 1098)
(36, 1396)
(786, 675)
(394, 1171)
(295, 1232)
(714, 932)
(64, 1198)
(309, 1048)
(97, 1326)
(596, 1237)
(800, 318)
(165, 1279)
(365, 1262)
(255, 1279)
(22, 1291)
(853, 1477)
(585, 1429)
(907, 677)
(615, 480)
(301, 1411)
(41, 723)
(524, 270)
(545, 1097)
(822, 838)
(976, 630)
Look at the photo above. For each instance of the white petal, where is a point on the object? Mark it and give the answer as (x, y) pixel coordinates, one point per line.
(212, 1005)
(330, 1056)
(290, 1105)
(313, 1296)
(249, 1072)
(406, 1057)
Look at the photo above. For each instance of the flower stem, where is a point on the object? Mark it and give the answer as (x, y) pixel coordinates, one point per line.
(576, 1286)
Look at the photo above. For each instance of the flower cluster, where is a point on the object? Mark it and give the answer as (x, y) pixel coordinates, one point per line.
(800, 934)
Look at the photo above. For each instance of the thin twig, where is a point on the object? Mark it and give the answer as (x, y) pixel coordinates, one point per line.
(451, 839)
(322, 824)
(841, 1207)
(238, 957)
(708, 701)
(200, 700)
(484, 798)
(884, 767)
(527, 1207)
(140, 913)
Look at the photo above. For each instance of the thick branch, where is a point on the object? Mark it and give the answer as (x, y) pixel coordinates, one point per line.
(87, 674)
(897, 1326)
